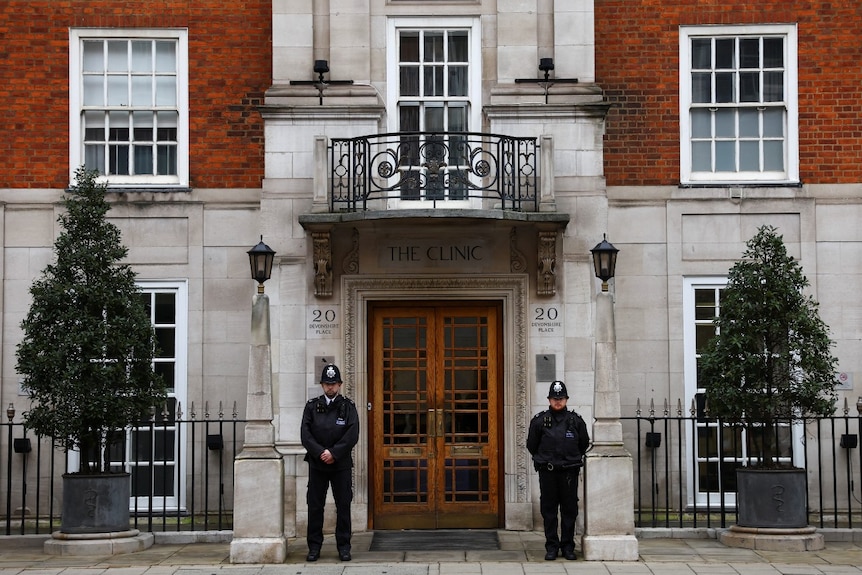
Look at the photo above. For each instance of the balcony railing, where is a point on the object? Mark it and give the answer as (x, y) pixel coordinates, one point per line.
(433, 170)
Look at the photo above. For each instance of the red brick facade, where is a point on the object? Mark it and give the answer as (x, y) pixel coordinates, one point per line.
(637, 64)
(230, 67)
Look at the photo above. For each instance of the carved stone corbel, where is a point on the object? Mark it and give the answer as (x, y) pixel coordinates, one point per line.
(547, 258)
(322, 258)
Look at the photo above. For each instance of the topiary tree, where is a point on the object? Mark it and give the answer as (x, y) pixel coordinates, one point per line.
(88, 345)
(771, 360)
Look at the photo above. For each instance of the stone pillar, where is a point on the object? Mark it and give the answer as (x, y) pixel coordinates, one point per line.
(608, 474)
(258, 518)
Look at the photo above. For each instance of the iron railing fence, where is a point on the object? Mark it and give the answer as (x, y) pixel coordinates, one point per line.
(685, 469)
(181, 473)
(433, 169)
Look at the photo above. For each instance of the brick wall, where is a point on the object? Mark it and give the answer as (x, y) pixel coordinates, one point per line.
(230, 66)
(637, 63)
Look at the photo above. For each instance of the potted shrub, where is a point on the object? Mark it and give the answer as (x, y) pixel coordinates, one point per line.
(769, 365)
(86, 358)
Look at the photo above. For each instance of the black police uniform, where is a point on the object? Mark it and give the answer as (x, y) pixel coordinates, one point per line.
(557, 440)
(333, 426)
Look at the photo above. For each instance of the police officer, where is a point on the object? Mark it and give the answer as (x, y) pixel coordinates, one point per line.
(330, 429)
(557, 440)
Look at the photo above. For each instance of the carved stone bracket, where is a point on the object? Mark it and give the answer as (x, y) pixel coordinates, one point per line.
(547, 274)
(322, 257)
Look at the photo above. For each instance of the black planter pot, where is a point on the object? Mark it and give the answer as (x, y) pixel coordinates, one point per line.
(95, 503)
(771, 498)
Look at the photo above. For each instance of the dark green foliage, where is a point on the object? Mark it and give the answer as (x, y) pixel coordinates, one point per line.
(88, 342)
(771, 361)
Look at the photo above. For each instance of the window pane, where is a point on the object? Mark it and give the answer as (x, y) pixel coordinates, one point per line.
(409, 81)
(773, 86)
(118, 91)
(773, 123)
(433, 81)
(724, 52)
(458, 81)
(143, 158)
(725, 123)
(701, 88)
(142, 58)
(749, 156)
(748, 123)
(433, 46)
(724, 89)
(167, 126)
(434, 119)
(167, 160)
(773, 52)
(94, 158)
(458, 119)
(166, 56)
(701, 121)
(94, 91)
(118, 56)
(409, 47)
(458, 46)
(94, 126)
(749, 53)
(118, 160)
(408, 118)
(118, 123)
(701, 53)
(93, 56)
(143, 126)
(749, 87)
(166, 90)
(142, 91)
(773, 156)
(725, 157)
(703, 335)
(701, 157)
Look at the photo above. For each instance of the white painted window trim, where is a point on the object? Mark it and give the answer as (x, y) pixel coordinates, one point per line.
(791, 151)
(393, 26)
(76, 147)
(180, 393)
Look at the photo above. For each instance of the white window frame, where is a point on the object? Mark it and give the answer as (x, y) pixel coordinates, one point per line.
(179, 393)
(76, 142)
(694, 495)
(472, 25)
(790, 175)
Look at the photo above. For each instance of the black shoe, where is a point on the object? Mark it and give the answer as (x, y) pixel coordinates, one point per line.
(344, 555)
(551, 555)
(313, 555)
(569, 554)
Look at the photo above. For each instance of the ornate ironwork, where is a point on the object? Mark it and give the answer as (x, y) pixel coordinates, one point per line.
(436, 168)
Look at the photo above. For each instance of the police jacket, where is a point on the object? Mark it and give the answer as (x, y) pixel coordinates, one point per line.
(559, 438)
(334, 427)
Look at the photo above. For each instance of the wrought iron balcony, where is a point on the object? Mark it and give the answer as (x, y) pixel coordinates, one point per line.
(433, 170)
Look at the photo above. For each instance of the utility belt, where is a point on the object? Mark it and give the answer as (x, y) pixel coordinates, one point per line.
(553, 467)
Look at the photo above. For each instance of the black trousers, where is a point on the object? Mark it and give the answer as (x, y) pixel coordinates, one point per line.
(559, 493)
(319, 481)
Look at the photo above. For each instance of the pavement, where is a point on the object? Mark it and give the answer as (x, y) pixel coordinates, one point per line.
(521, 553)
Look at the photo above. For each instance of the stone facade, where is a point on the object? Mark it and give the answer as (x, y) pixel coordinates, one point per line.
(609, 161)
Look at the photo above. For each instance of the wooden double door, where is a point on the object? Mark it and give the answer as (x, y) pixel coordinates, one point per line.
(435, 415)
